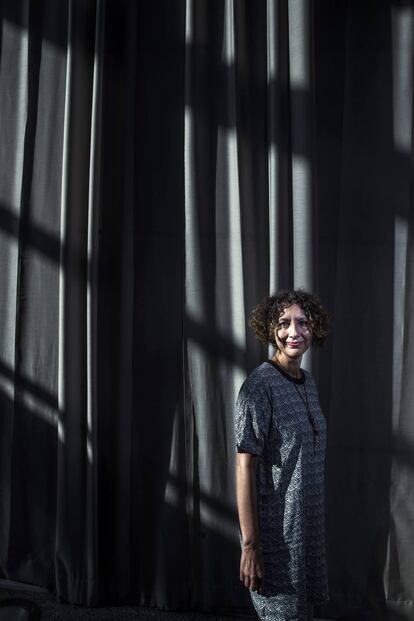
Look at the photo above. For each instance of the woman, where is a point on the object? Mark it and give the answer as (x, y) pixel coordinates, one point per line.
(281, 436)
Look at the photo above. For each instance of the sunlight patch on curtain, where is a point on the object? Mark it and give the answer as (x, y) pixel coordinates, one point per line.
(189, 15)
(229, 272)
(13, 104)
(63, 221)
(272, 41)
(402, 22)
(272, 155)
(94, 199)
(219, 521)
(300, 80)
(400, 254)
(194, 297)
(9, 257)
(194, 301)
(402, 69)
(273, 166)
(61, 430)
(47, 147)
(6, 383)
(299, 43)
(171, 494)
(228, 38)
(302, 222)
(37, 406)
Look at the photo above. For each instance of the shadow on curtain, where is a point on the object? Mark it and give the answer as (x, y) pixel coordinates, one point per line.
(163, 167)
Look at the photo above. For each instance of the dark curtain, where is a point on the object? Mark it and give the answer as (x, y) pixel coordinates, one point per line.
(163, 166)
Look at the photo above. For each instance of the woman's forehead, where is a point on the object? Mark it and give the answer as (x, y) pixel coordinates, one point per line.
(294, 310)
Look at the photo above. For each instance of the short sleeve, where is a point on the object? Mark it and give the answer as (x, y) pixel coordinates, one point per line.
(252, 418)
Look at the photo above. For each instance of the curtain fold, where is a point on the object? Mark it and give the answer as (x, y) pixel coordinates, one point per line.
(163, 167)
(72, 478)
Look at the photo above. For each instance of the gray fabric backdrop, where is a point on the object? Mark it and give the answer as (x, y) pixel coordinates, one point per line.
(163, 166)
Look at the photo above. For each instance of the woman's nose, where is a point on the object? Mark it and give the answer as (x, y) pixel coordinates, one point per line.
(293, 330)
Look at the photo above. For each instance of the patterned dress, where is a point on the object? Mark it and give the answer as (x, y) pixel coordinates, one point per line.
(272, 420)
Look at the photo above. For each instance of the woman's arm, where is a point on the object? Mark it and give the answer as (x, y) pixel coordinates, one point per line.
(251, 563)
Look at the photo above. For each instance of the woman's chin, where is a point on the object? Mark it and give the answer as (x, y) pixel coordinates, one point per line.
(294, 352)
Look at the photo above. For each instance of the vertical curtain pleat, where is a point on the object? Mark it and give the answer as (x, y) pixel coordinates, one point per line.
(76, 530)
(92, 305)
(302, 129)
(275, 141)
(121, 562)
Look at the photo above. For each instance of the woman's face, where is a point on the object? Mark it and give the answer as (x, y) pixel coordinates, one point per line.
(293, 333)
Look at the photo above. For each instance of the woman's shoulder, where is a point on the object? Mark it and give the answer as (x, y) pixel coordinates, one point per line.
(308, 376)
(263, 372)
(310, 380)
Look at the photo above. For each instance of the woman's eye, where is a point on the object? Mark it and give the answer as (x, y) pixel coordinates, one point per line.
(283, 325)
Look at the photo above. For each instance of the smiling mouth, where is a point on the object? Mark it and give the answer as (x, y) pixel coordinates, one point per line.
(295, 344)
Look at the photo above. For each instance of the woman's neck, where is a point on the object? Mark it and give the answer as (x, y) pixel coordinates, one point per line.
(291, 366)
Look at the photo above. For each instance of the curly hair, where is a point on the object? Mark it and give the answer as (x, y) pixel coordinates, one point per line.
(264, 317)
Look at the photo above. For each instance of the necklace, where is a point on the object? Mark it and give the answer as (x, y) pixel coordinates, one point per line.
(304, 399)
(305, 402)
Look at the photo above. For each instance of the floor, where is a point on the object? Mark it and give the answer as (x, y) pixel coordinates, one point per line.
(51, 610)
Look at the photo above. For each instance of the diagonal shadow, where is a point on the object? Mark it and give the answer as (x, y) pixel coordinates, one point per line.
(45, 243)
(23, 383)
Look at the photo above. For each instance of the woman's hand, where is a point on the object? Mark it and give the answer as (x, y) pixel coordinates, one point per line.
(251, 567)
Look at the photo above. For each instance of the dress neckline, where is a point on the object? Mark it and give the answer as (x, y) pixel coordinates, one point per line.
(295, 380)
